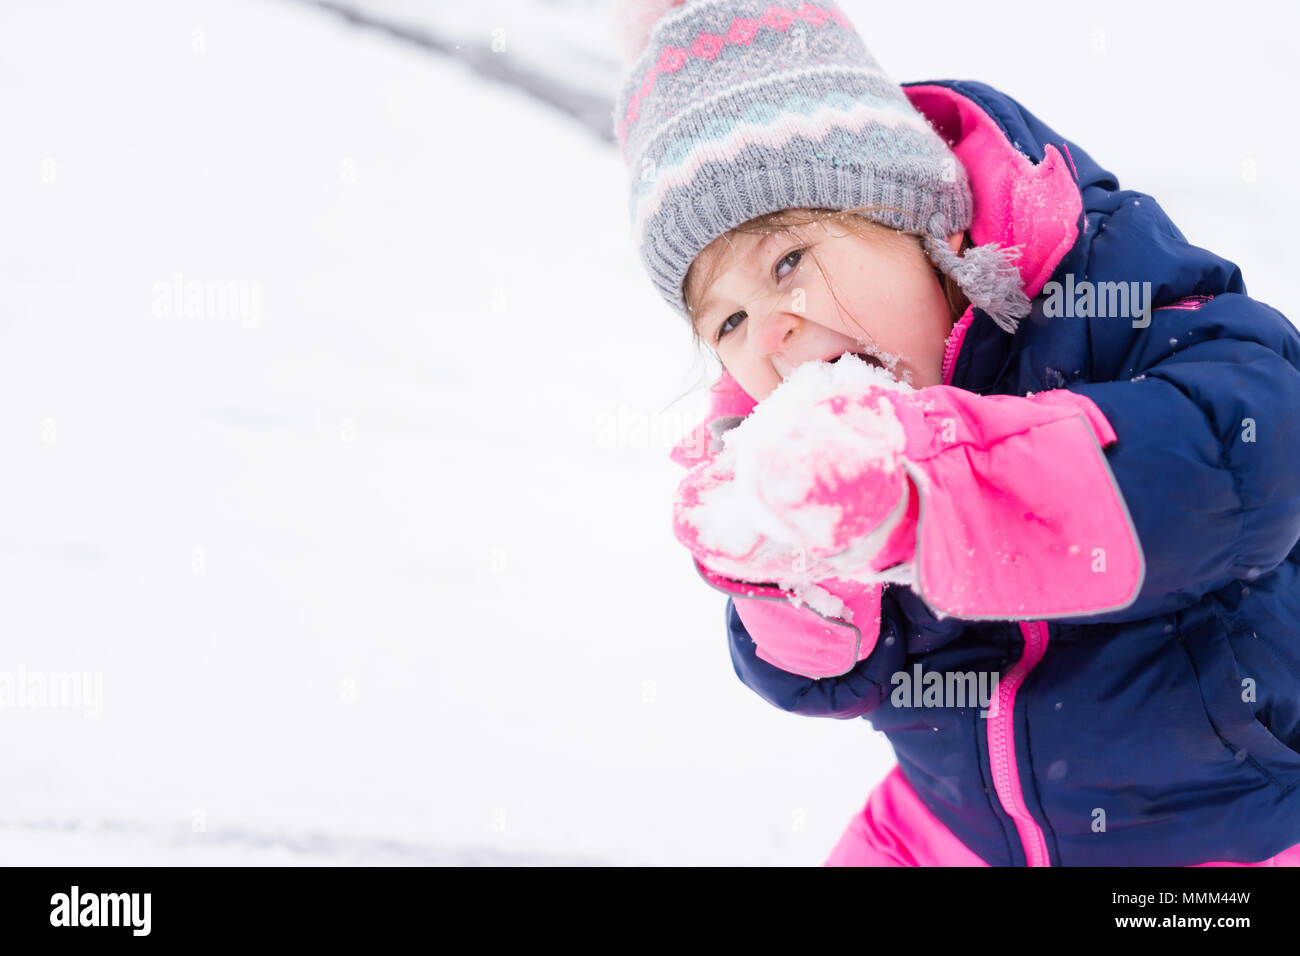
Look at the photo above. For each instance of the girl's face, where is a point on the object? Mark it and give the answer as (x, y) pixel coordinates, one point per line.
(814, 292)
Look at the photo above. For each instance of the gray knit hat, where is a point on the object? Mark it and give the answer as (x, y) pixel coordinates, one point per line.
(737, 108)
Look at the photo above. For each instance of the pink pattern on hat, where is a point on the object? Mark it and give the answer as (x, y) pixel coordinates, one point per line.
(708, 45)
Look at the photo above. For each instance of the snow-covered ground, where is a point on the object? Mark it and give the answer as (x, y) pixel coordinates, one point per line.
(334, 428)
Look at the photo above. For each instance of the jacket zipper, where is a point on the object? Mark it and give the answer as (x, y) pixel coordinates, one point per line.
(1002, 746)
(956, 338)
(1002, 742)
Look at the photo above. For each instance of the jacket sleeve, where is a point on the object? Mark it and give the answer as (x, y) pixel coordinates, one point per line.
(1205, 403)
(1206, 455)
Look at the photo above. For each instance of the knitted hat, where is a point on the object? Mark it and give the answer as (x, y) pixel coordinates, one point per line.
(732, 109)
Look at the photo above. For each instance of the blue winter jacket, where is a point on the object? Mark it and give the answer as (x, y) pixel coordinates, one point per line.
(1166, 733)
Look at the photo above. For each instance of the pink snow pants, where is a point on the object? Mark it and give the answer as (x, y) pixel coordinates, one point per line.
(896, 829)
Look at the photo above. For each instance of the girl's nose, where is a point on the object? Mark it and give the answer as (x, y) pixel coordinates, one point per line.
(777, 330)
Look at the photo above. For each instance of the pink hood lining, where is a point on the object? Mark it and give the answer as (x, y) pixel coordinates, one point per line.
(1016, 201)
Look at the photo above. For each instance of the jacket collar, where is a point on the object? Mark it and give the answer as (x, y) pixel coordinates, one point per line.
(1018, 199)
(1025, 194)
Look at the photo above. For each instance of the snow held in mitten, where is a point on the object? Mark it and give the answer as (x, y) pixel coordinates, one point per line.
(798, 436)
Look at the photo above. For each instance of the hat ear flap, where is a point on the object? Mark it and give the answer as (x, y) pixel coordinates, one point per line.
(633, 20)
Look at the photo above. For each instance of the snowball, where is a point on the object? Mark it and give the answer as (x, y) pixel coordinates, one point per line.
(790, 441)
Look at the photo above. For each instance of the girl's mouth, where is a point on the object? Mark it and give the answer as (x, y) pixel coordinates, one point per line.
(894, 368)
(869, 359)
(785, 371)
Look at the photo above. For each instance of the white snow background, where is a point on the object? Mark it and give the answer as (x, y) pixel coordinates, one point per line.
(381, 571)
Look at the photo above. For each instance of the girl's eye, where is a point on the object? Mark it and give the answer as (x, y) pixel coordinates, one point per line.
(722, 328)
(791, 258)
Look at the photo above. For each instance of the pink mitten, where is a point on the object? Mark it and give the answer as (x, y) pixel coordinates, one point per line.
(810, 624)
(810, 485)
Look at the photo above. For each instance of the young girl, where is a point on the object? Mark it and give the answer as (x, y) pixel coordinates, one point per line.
(998, 461)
